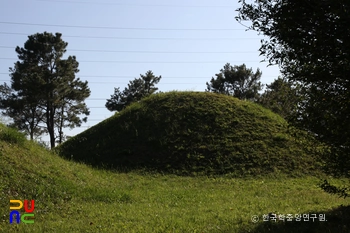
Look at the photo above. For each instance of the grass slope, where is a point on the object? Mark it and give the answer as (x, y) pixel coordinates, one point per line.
(195, 133)
(73, 197)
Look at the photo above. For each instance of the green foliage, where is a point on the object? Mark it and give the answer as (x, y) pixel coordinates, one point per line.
(237, 81)
(342, 192)
(281, 97)
(314, 51)
(11, 135)
(23, 111)
(195, 133)
(60, 100)
(137, 89)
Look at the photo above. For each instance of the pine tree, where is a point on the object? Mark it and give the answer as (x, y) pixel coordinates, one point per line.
(44, 88)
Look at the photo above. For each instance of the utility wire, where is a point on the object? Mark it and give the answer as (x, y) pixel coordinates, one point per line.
(134, 5)
(118, 82)
(122, 28)
(126, 76)
(139, 51)
(124, 83)
(145, 62)
(134, 38)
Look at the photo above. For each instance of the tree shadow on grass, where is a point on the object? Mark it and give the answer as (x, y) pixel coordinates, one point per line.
(337, 221)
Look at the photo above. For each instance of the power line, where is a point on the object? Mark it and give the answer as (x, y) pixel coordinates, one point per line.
(118, 82)
(125, 83)
(135, 38)
(96, 119)
(122, 28)
(134, 5)
(126, 76)
(159, 62)
(121, 82)
(138, 51)
(97, 107)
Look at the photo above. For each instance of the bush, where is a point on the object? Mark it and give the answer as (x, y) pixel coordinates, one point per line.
(11, 135)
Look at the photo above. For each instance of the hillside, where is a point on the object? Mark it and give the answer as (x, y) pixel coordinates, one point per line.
(195, 133)
(73, 197)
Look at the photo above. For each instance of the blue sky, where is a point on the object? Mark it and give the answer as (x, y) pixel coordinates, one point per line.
(186, 42)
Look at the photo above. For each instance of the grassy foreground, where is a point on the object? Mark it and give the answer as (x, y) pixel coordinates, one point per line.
(72, 197)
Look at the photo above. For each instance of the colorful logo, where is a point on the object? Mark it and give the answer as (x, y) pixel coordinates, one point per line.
(18, 216)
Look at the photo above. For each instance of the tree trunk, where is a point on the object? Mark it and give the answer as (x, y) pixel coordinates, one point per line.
(31, 134)
(50, 123)
(61, 126)
(52, 128)
(31, 125)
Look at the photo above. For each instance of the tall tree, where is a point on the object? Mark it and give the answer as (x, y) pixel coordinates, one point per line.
(282, 97)
(23, 110)
(136, 90)
(44, 88)
(310, 41)
(237, 81)
(71, 106)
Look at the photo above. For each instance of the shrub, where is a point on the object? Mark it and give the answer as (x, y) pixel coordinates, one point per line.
(12, 136)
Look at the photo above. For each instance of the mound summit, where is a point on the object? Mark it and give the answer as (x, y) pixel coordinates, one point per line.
(195, 133)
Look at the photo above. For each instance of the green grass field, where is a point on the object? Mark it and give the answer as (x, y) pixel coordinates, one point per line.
(71, 197)
(74, 197)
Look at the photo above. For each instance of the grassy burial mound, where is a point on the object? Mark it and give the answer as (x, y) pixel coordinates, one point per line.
(195, 133)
